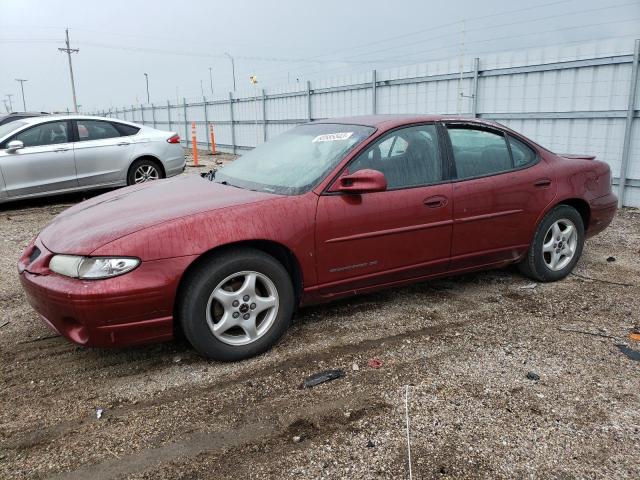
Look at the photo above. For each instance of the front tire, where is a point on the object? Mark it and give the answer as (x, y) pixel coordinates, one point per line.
(556, 246)
(236, 305)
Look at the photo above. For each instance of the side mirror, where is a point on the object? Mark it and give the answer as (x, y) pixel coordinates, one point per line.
(14, 145)
(362, 181)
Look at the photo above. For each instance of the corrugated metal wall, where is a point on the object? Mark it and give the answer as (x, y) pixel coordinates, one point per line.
(571, 99)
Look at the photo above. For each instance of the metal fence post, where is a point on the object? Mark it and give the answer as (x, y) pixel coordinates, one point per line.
(153, 114)
(626, 146)
(133, 115)
(309, 100)
(142, 113)
(233, 131)
(264, 116)
(206, 123)
(374, 93)
(474, 92)
(186, 123)
(169, 113)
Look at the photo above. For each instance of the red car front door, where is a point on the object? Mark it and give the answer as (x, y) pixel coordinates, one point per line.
(501, 187)
(390, 236)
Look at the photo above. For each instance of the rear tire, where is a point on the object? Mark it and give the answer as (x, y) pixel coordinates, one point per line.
(556, 246)
(236, 305)
(144, 170)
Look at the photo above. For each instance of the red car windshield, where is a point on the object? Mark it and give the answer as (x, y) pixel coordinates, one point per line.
(295, 161)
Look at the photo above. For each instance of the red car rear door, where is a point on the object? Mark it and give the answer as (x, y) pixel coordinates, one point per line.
(500, 187)
(390, 236)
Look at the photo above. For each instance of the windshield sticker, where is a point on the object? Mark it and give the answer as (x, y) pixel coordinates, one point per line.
(332, 137)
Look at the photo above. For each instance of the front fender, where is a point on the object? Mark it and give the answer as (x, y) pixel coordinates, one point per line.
(288, 221)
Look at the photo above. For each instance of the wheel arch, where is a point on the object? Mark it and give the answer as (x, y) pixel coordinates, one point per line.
(582, 206)
(277, 250)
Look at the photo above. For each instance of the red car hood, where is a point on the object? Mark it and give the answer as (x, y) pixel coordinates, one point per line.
(91, 224)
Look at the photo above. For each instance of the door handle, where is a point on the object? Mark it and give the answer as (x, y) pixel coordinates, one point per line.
(436, 201)
(542, 183)
(61, 149)
(123, 144)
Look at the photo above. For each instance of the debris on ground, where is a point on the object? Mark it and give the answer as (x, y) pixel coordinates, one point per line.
(99, 413)
(374, 363)
(611, 259)
(529, 286)
(177, 359)
(635, 333)
(370, 444)
(630, 353)
(355, 367)
(533, 376)
(297, 439)
(4, 324)
(322, 377)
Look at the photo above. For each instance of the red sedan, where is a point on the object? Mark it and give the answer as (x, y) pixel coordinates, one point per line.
(328, 209)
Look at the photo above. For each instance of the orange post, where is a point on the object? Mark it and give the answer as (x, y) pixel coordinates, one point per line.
(194, 143)
(213, 139)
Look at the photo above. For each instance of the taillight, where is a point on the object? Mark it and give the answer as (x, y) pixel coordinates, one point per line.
(174, 139)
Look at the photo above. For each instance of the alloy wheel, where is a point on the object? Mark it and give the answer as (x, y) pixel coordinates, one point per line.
(145, 173)
(242, 308)
(560, 244)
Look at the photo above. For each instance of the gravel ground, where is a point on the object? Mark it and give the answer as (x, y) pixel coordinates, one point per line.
(463, 345)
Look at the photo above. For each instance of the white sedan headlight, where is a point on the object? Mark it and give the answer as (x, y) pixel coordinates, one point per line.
(91, 268)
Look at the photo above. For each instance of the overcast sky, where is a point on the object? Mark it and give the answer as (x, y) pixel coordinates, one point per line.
(278, 40)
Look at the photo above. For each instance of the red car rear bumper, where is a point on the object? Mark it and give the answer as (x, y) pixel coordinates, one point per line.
(131, 309)
(603, 209)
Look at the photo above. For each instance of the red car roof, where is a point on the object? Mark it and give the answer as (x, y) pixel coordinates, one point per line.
(395, 120)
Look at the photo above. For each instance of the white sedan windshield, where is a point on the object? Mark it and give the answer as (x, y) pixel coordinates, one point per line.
(295, 161)
(10, 127)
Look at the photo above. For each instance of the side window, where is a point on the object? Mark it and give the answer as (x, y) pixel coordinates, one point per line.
(96, 130)
(126, 129)
(478, 152)
(45, 134)
(522, 154)
(407, 157)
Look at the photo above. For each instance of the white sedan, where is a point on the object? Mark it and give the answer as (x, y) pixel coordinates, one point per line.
(58, 154)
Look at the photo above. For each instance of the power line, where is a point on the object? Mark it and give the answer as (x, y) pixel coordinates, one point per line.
(438, 27)
(506, 37)
(492, 27)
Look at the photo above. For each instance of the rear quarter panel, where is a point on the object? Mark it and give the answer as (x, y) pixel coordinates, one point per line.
(588, 180)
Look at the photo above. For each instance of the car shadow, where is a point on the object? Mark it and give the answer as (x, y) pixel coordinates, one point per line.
(66, 199)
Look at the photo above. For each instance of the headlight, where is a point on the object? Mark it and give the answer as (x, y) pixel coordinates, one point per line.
(91, 268)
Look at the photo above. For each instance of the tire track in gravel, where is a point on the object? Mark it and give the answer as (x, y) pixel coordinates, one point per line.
(318, 419)
(43, 435)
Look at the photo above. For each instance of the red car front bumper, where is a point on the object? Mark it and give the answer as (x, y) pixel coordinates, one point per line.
(131, 309)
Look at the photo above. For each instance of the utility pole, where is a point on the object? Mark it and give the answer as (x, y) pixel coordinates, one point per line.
(68, 50)
(146, 77)
(9, 95)
(211, 80)
(6, 105)
(22, 80)
(233, 70)
(201, 88)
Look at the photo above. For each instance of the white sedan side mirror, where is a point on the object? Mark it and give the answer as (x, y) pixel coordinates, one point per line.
(14, 145)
